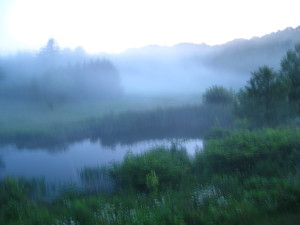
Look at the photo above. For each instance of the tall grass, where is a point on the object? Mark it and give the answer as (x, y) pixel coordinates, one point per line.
(96, 179)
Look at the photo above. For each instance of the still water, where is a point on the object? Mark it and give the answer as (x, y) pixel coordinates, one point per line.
(63, 165)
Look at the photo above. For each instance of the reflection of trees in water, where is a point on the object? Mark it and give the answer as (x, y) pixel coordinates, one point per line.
(112, 141)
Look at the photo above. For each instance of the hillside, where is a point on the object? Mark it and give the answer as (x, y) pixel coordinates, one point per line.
(187, 67)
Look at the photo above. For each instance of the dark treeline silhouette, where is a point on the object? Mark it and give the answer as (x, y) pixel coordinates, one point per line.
(53, 74)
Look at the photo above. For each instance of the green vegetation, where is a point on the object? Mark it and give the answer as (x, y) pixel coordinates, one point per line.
(247, 174)
(264, 101)
(141, 171)
(290, 67)
(218, 95)
(244, 178)
(272, 98)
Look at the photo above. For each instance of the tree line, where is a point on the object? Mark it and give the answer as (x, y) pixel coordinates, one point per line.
(269, 99)
(54, 74)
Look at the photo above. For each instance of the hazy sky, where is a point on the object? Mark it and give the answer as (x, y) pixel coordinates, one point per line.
(115, 25)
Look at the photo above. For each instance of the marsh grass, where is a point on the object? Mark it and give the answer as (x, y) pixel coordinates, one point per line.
(187, 121)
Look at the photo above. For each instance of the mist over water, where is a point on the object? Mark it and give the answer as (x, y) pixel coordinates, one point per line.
(55, 96)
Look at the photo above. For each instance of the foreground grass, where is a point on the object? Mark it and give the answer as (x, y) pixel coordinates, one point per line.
(244, 178)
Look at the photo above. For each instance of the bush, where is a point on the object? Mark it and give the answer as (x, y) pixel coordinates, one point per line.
(217, 133)
(266, 152)
(170, 166)
(218, 95)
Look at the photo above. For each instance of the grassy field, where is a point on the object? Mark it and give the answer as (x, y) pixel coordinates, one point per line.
(17, 115)
(124, 120)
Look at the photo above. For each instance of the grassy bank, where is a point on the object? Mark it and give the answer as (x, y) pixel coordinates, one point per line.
(122, 126)
(243, 178)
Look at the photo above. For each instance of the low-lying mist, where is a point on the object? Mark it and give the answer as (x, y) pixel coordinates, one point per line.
(171, 71)
(54, 74)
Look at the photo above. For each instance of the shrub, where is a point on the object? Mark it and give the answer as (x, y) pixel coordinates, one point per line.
(217, 133)
(265, 152)
(169, 166)
(218, 95)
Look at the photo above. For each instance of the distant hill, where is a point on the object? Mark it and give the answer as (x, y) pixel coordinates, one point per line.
(243, 56)
(188, 67)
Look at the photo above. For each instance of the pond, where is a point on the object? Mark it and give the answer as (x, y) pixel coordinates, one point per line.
(63, 165)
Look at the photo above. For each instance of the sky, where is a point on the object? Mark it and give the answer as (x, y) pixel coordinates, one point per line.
(113, 26)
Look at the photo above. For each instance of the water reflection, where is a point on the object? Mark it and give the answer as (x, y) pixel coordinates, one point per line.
(64, 165)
